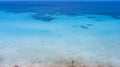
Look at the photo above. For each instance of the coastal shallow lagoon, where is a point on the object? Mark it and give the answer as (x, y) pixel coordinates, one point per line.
(62, 34)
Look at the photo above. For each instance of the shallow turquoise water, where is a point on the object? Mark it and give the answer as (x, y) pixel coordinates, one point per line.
(82, 37)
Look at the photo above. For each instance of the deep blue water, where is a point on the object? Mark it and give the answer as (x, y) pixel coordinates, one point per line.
(110, 8)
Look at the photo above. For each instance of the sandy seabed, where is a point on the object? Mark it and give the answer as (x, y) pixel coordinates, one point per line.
(70, 64)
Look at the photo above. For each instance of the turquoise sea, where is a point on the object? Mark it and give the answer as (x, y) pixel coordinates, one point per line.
(48, 32)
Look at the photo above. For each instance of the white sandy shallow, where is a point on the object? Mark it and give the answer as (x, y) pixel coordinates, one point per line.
(24, 40)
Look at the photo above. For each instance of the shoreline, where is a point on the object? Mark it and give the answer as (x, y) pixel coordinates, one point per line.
(69, 64)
